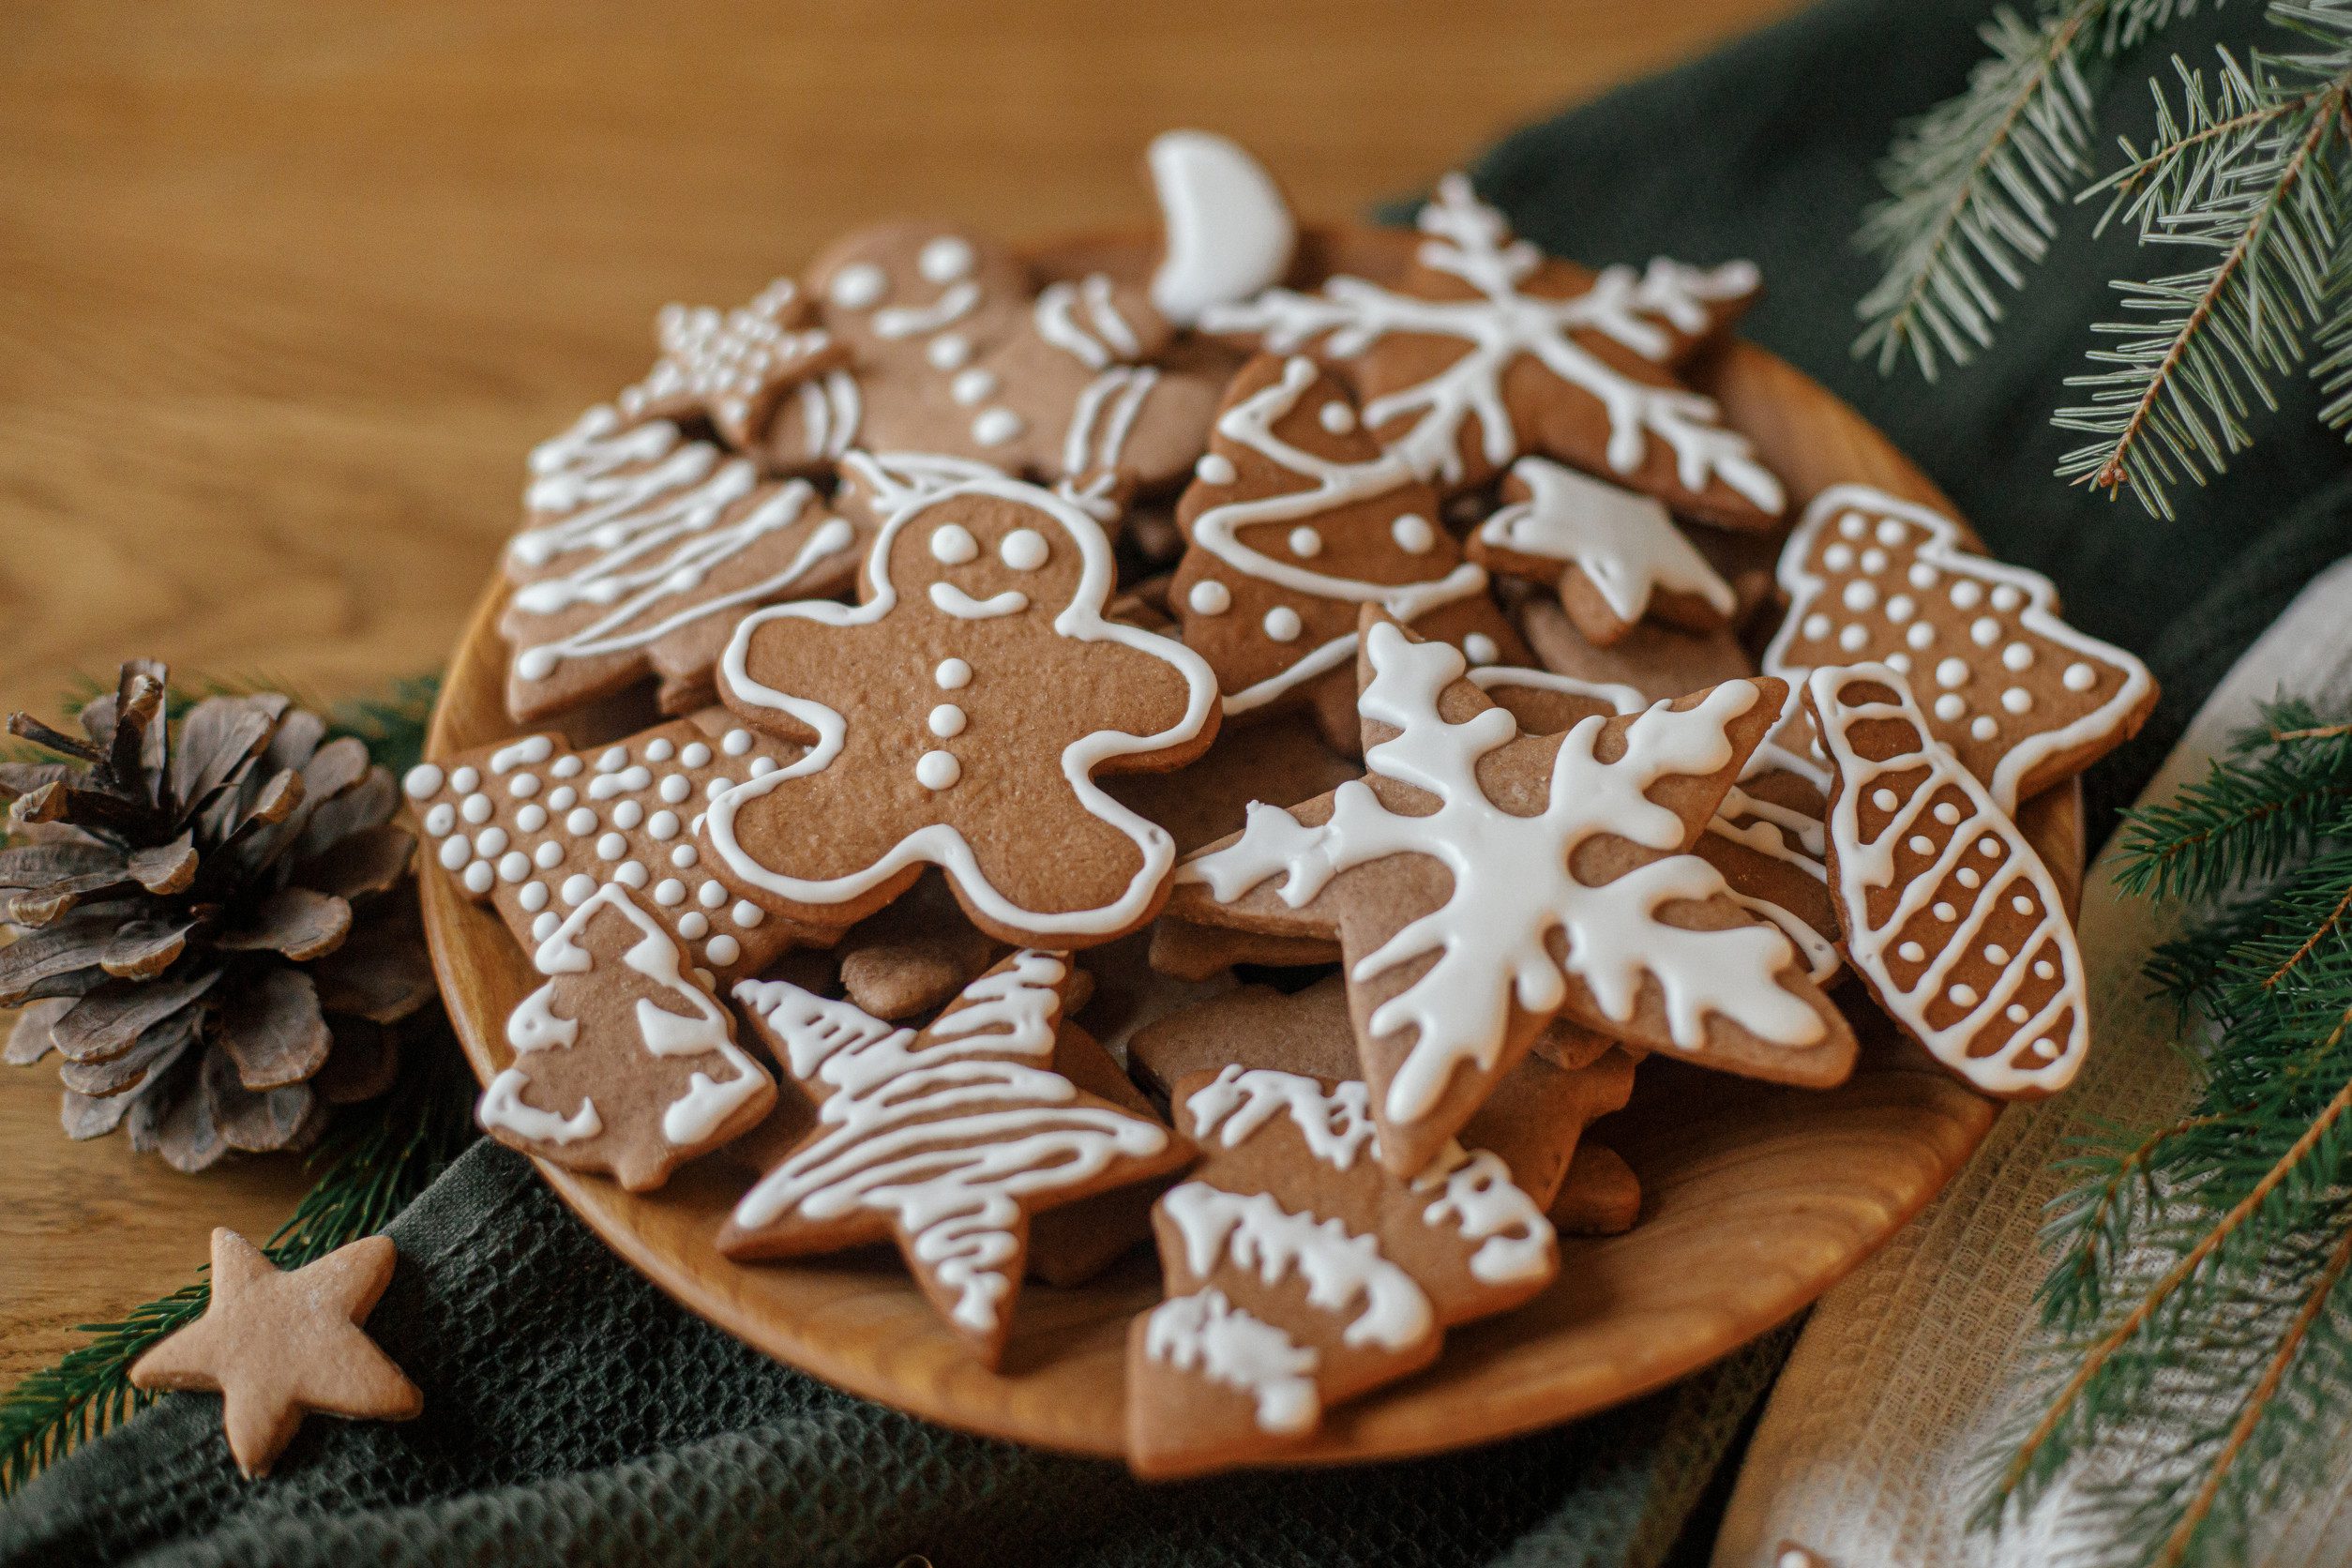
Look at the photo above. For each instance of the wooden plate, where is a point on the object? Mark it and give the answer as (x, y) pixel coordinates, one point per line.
(1755, 1199)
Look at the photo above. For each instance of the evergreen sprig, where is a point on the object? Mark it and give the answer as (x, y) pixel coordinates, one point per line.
(2197, 1319)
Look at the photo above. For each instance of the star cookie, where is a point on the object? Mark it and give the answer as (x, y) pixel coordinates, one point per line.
(276, 1346)
(2021, 698)
(1480, 881)
(944, 1138)
(958, 717)
(1486, 351)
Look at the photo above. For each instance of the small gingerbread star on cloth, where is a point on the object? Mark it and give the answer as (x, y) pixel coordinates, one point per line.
(276, 1346)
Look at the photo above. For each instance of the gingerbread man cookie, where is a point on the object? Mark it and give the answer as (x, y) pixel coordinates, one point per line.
(641, 549)
(1949, 914)
(1302, 1271)
(623, 1061)
(1480, 881)
(2021, 698)
(1295, 520)
(1487, 350)
(957, 719)
(944, 1138)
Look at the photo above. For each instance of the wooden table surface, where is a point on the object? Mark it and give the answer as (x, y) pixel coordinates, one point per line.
(287, 290)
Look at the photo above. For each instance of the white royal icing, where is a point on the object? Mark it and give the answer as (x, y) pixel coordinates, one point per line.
(1206, 1333)
(1228, 231)
(1625, 543)
(1342, 1271)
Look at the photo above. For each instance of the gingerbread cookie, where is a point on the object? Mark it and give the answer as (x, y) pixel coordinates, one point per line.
(1296, 517)
(729, 369)
(537, 828)
(642, 550)
(958, 717)
(1950, 915)
(914, 955)
(1480, 881)
(1613, 556)
(944, 1139)
(2020, 697)
(623, 1061)
(1658, 662)
(1227, 231)
(1302, 1271)
(1600, 1195)
(1281, 760)
(1487, 350)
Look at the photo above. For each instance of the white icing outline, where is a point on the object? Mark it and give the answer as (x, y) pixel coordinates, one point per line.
(1625, 543)
(1228, 231)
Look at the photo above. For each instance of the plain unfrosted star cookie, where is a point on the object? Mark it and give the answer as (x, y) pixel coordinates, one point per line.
(2020, 697)
(1487, 350)
(944, 1138)
(1295, 518)
(276, 1346)
(1949, 914)
(1302, 1271)
(1480, 881)
(958, 717)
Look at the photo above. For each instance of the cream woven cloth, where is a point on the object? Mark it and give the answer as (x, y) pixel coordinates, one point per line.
(1867, 1450)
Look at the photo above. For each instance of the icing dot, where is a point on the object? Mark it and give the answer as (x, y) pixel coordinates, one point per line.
(548, 857)
(533, 897)
(1943, 911)
(2017, 656)
(491, 842)
(1901, 608)
(709, 896)
(1967, 876)
(1950, 706)
(675, 787)
(735, 741)
(2079, 677)
(717, 787)
(1920, 843)
(762, 766)
(523, 786)
(441, 818)
(953, 674)
(1480, 649)
(475, 808)
(581, 824)
(565, 767)
(668, 893)
(578, 887)
(858, 286)
(1305, 543)
(1336, 418)
(1852, 525)
(1962, 996)
(1947, 813)
(632, 873)
(613, 760)
(1860, 595)
(659, 749)
(2015, 1013)
(662, 826)
(1214, 468)
(947, 720)
(937, 770)
(2008, 596)
(1921, 633)
(1984, 727)
(543, 926)
(1413, 534)
(2044, 970)
(997, 426)
(944, 259)
(1889, 533)
(563, 797)
(1984, 631)
(1899, 663)
(948, 351)
(952, 544)
(746, 914)
(1023, 550)
(974, 385)
(1920, 575)
(683, 857)
(694, 925)
(422, 780)
(479, 877)
(1852, 638)
(722, 950)
(1885, 800)
(455, 852)
(1996, 954)
(696, 755)
(1283, 624)
(1838, 557)
(1210, 598)
(612, 847)
(1952, 672)
(1989, 846)
(1911, 953)
(627, 815)
(2017, 700)
(1964, 594)
(465, 780)
(2022, 904)
(1817, 627)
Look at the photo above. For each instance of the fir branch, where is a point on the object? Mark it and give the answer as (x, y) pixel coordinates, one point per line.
(2255, 812)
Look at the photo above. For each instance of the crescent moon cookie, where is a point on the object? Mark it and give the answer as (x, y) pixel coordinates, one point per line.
(1302, 1271)
(944, 1138)
(1295, 520)
(623, 1062)
(1482, 882)
(958, 717)
(1486, 351)
(2020, 697)
(1950, 915)
(1227, 231)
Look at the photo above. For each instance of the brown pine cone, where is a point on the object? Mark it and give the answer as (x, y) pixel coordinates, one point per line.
(213, 925)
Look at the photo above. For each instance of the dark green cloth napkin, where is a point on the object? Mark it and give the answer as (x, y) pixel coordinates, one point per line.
(574, 1415)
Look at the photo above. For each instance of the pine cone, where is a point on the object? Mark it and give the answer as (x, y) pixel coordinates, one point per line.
(209, 930)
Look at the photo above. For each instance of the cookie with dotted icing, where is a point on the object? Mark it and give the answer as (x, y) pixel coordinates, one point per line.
(1950, 915)
(534, 828)
(1295, 518)
(640, 549)
(623, 1062)
(1480, 881)
(944, 1139)
(731, 368)
(1614, 556)
(1486, 351)
(1302, 1271)
(2021, 698)
(958, 717)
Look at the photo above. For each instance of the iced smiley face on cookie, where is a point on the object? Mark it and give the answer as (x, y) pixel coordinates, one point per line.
(958, 718)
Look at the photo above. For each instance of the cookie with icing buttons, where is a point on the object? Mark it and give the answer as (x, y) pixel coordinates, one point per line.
(958, 718)
(640, 549)
(944, 1139)
(731, 368)
(1950, 915)
(1480, 881)
(2020, 697)
(1486, 351)
(1301, 1270)
(1295, 518)
(1614, 556)
(534, 828)
(623, 1062)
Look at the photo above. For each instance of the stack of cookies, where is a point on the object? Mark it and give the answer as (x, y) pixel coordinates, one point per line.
(1201, 744)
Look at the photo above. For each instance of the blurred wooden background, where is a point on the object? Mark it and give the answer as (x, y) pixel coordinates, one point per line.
(287, 290)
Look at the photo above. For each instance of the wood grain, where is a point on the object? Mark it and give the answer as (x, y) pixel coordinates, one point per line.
(1755, 1198)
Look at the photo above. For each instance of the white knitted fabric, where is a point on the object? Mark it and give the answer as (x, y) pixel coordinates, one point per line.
(1874, 1433)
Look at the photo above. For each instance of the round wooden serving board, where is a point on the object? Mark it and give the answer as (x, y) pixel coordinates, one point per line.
(1755, 1199)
